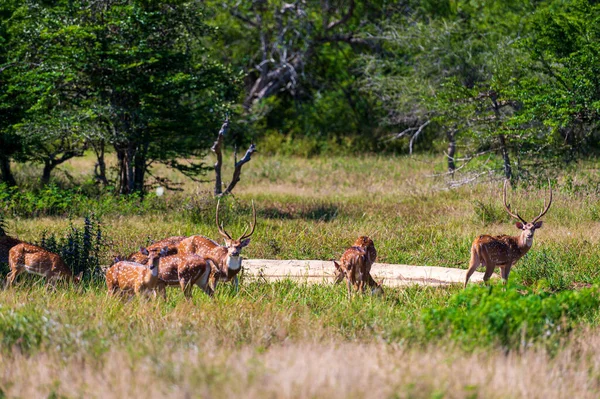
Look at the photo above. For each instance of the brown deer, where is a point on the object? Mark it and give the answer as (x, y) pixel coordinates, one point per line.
(169, 242)
(133, 277)
(184, 270)
(355, 265)
(226, 259)
(504, 251)
(6, 242)
(32, 259)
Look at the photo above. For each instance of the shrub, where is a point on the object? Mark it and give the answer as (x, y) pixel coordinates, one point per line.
(511, 318)
(80, 248)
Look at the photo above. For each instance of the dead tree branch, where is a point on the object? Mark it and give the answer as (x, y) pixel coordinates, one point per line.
(238, 168)
(217, 148)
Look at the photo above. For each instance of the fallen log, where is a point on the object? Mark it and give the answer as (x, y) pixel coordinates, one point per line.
(318, 271)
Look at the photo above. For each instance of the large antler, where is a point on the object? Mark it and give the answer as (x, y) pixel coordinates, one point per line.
(546, 207)
(220, 226)
(507, 206)
(244, 235)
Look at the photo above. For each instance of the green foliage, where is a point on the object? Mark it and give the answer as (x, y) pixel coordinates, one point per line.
(80, 248)
(132, 75)
(509, 317)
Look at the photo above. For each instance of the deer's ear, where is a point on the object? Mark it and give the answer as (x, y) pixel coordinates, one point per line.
(245, 242)
(519, 225)
(537, 225)
(144, 251)
(337, 265)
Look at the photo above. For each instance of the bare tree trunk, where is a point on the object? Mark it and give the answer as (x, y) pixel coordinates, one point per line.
(5, 172)
(501, 138)
(100, 167)
(217, 149)
(505, 157)
(451, 135)
(238, 168)
(48, 167)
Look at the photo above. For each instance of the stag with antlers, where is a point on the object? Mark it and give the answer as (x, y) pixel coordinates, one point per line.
(226, 259)
(504, 251)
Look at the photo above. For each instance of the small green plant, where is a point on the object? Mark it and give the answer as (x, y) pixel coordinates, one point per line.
(80, 248)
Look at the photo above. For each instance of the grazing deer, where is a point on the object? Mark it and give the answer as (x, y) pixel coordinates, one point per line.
(6, 242)
(355, 265)
(130, 276)
(169, 242)
(226, 259)
(32, 259)
(504, 251)
(184, 270)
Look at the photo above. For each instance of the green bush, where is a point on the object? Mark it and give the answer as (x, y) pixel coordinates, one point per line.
(512, 318)
(80, 248)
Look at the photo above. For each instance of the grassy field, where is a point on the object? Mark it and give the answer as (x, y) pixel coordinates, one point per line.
(539, 337)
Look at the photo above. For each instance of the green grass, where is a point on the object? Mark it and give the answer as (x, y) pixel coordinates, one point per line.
(314, 209)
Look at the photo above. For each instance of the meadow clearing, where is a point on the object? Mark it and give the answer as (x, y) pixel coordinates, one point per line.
(539, 337)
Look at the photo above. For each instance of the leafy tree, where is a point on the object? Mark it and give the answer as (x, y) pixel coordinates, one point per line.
(299, 60)
(134, 70)
(11, 109)
(561, 96)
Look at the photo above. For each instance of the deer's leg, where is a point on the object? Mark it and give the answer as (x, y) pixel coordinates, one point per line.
(186, 287)
(12, 275)
(505, 271)
(473, 265)
(203, 282)
(236, 284)
(489, 270)
(349, 285)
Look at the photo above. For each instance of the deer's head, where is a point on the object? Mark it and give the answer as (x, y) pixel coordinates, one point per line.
(154, 256)
(367, 244)
(234, 246)
(77, 279)
(527, 228)
(340, 272)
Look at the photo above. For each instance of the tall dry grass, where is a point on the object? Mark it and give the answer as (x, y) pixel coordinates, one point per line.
(308, 370)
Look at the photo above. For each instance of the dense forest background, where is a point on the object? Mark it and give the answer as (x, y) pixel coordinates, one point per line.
(495, 87)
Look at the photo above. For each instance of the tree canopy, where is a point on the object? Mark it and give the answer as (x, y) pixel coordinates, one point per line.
(504, 85)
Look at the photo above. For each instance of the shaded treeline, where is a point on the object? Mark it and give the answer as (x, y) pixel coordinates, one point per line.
(497, 87)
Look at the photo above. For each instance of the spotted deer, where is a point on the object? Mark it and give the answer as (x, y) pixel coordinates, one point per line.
(133, 277)
(169, 242)
(32, 259)
(6, 242)
(504, 251)
(355, 265)
(226, 259)
(184, 270)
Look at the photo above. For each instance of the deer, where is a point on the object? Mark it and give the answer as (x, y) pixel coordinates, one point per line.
(33, 259)
(169, 242)
(226, 259)
(355, 265)
(6, 242)
(504, 251)
(127, 276)
(184, 270)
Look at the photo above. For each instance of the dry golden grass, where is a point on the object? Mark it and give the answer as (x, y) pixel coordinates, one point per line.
(308, 370)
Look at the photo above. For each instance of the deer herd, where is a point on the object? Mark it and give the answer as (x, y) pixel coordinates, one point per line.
(200, 261)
